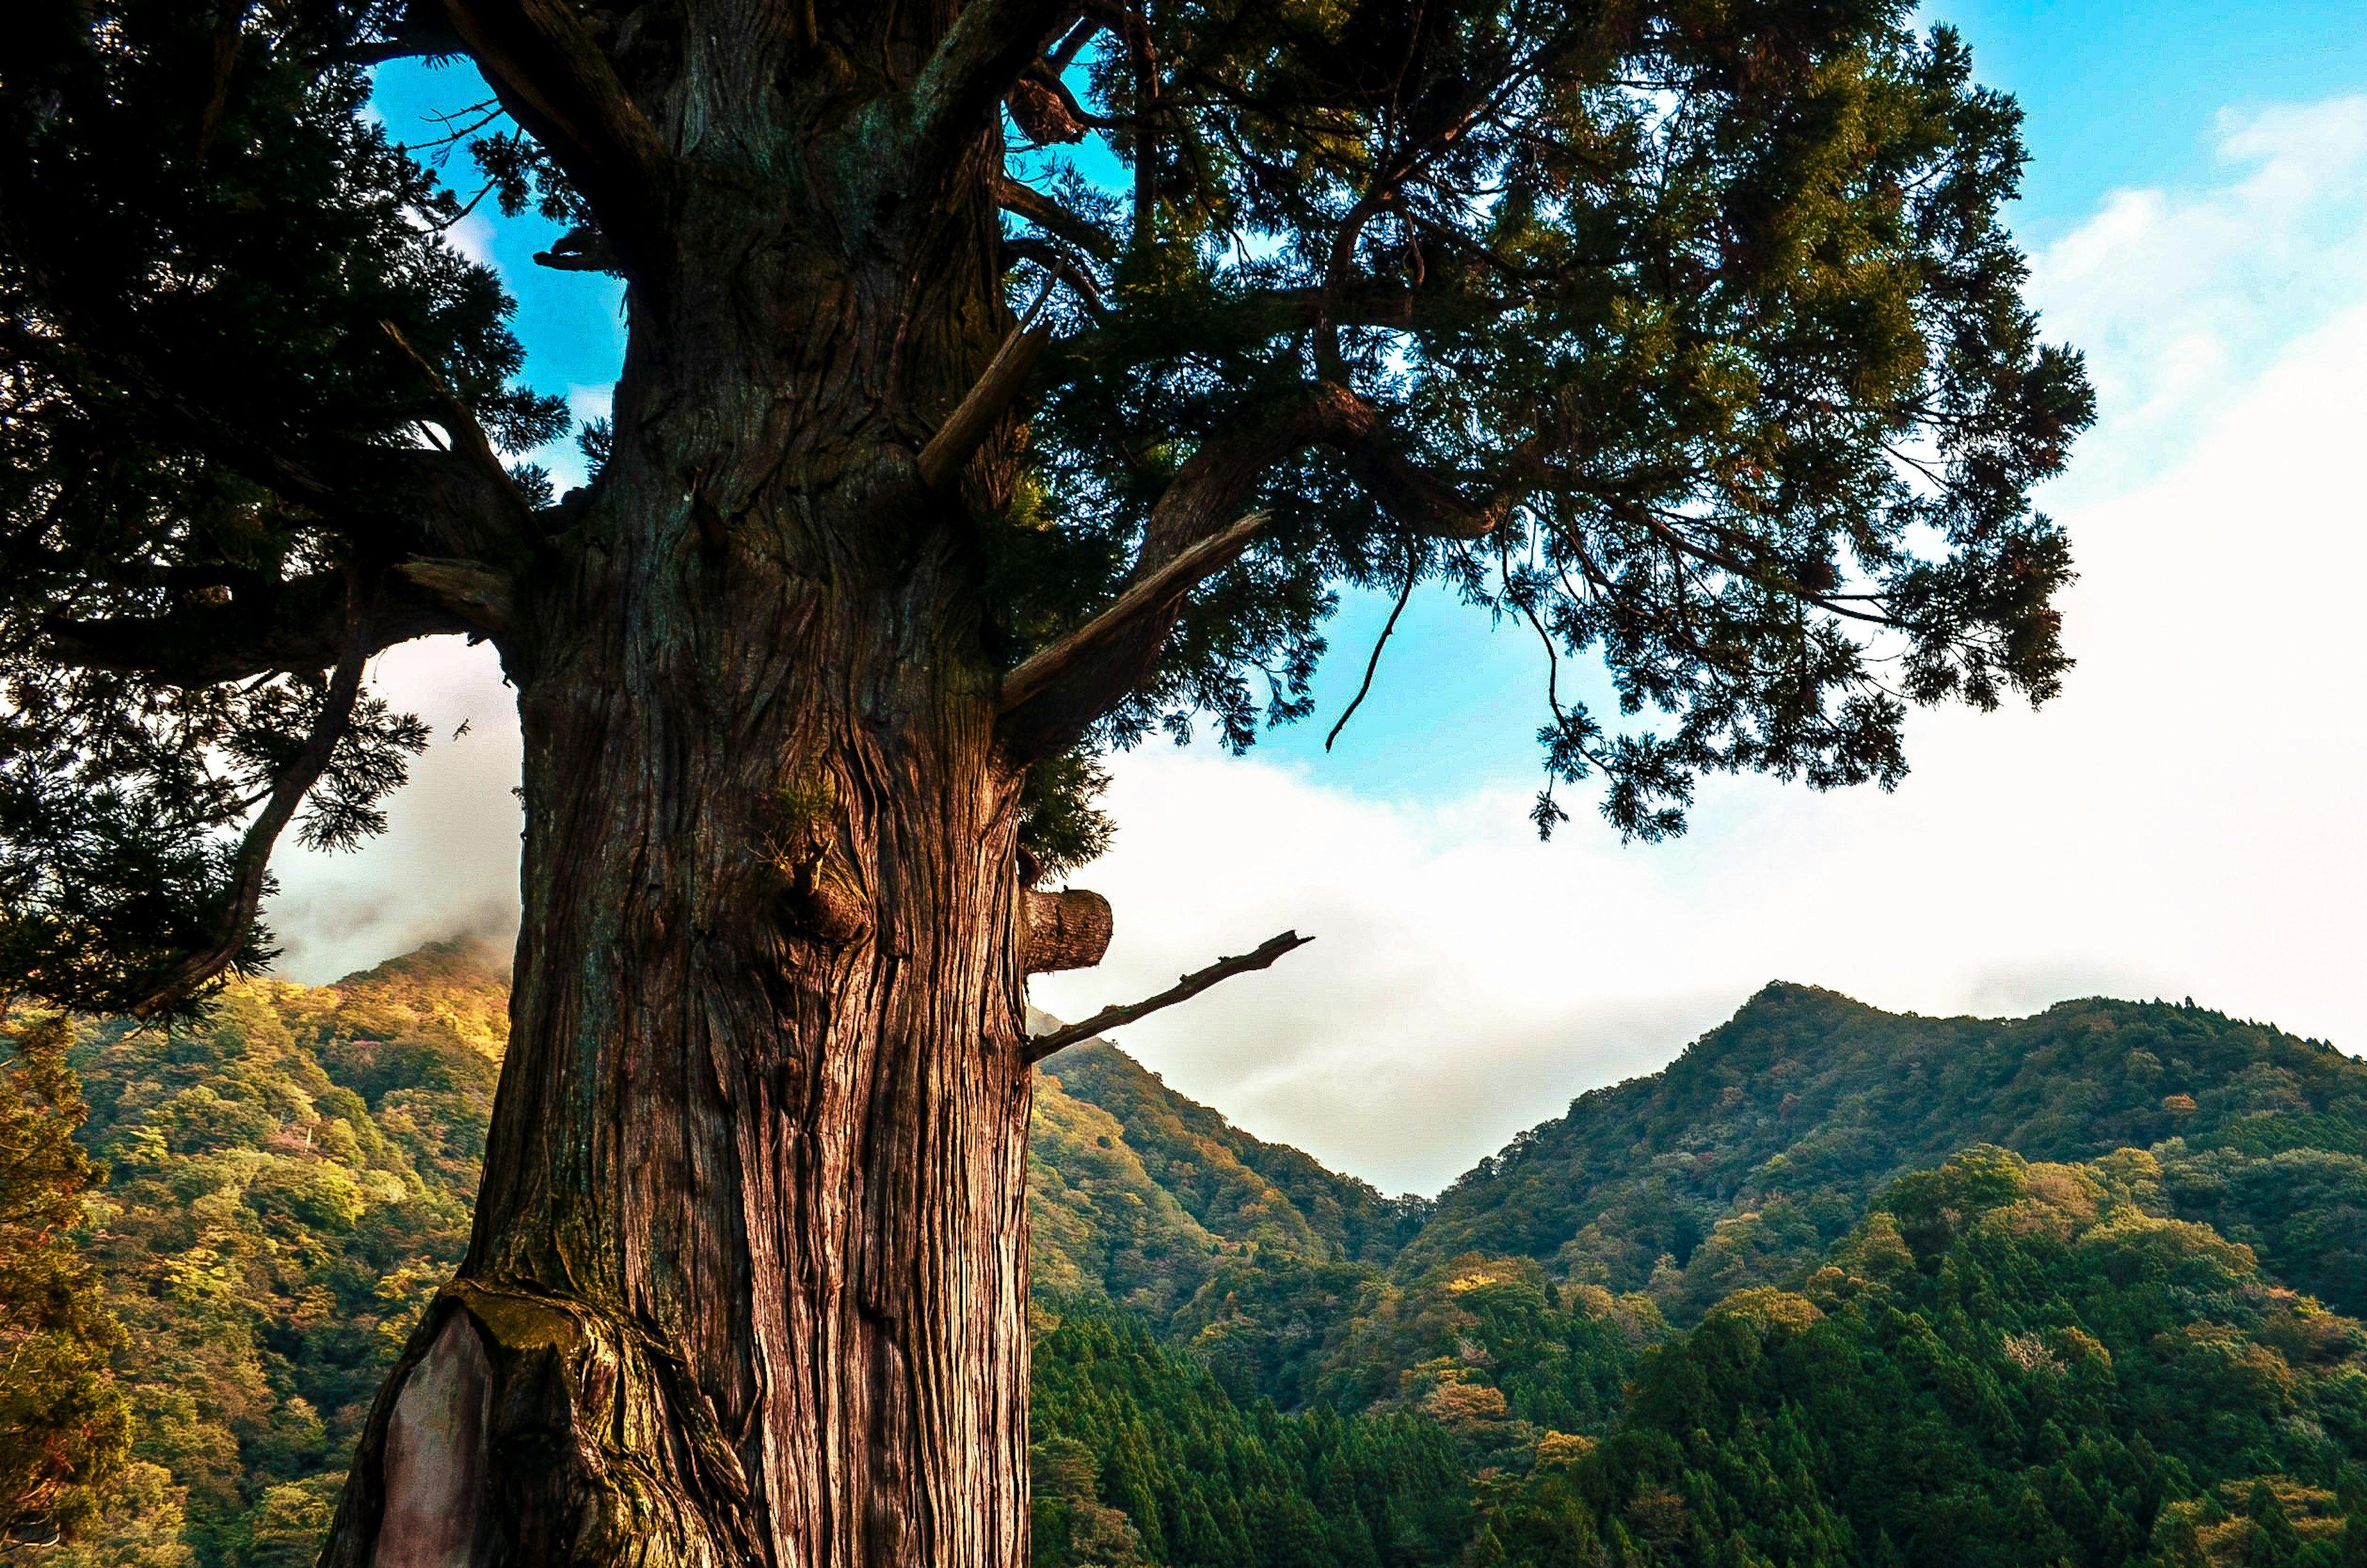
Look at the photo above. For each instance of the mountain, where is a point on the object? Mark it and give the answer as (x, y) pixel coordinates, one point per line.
(291, 1183)
(1761, 1145)
(2115, 1330)
(2008, 1364)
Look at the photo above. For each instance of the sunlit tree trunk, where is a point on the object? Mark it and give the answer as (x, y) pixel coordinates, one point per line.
(748, 1279)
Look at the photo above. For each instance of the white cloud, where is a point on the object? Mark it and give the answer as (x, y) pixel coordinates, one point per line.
(2185, 820)
(473, 237)
(2178, 296)
(449, 863)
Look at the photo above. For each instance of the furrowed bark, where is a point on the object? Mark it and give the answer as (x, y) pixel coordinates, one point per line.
(747, 1267)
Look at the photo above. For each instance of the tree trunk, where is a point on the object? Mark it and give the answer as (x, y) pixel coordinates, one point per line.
(748, 1279)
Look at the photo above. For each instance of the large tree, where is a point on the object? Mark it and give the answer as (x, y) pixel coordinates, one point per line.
(1683, 333)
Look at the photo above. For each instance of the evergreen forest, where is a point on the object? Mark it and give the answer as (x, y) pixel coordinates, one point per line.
(1835, 1286)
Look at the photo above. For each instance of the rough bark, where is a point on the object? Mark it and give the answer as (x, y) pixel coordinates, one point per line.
(1068, 930)
(748, 1273)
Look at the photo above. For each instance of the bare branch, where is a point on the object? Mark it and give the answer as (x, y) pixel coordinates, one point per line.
(1190, 985)
(484, 597)
(250, 868)
(1413, 575)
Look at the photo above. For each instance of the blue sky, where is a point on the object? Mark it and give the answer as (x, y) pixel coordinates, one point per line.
(2183, 821)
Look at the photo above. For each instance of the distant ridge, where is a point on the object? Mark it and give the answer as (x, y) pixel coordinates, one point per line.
(1741, 1160)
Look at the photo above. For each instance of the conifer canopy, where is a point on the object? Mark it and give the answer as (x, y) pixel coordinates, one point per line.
(1683, 333)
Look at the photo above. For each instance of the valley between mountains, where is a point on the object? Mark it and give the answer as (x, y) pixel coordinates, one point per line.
(1837, 1286)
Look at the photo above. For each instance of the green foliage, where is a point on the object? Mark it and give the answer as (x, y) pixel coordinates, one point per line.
(1709, 305)
(1761, 1145)
(65, 1426)
(209, 458)
(1240, 1188)
(292, 1182)
(1243, 1359)
(1139, 1457)
(1059, 827)
(1688, 336)
(2006, 1363)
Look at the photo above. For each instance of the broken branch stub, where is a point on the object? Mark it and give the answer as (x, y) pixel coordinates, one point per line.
(1065, 930)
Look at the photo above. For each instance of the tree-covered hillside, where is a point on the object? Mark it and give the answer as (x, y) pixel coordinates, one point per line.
(1761, 1145)
(2107, 1349)
(291, 1182)
(2006, 1365)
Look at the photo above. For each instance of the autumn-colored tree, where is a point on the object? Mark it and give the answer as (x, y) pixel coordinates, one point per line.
(65, 1429)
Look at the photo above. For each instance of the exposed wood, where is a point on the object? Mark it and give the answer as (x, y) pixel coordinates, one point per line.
(1042, 1045)
(1068, 930)
(435, 1464)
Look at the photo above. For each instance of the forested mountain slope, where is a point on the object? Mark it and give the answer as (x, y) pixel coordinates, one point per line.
(1762, 1144)
(2114, 1358)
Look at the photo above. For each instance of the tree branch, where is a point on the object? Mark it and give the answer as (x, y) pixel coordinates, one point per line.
(260, 629)
(1052, 217)
(468, 438)
(1184, 991)
(555, 81)
(984, 403)
(987, 48)
(250, 869)
(1248, 319)
(1048, 700)
(1052, 699)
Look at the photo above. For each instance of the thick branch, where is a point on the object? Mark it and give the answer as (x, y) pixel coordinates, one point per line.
(1048, 701)
(1068, 930)
(984, 403)
(555, 81)
(1053, 219)
(1245, 321)
(987, 48)
(250, 869)
(1184, 991)
(255, 629)
(1052, 698)
(468, 439)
